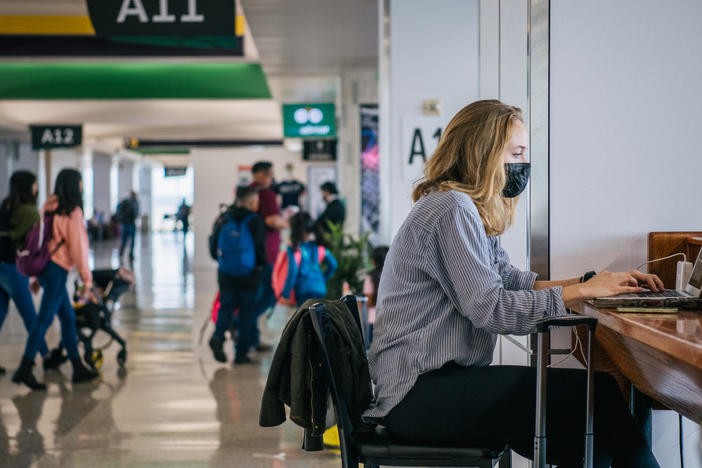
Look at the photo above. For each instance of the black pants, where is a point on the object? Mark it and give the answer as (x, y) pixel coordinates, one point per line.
(495, 405)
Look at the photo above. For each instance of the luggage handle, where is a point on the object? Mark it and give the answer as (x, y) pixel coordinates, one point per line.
(569, 320)
(544, 338)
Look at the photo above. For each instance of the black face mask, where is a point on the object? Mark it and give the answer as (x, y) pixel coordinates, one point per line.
(517, 178)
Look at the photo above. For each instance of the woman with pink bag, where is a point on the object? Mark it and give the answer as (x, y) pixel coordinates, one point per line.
(69, 248)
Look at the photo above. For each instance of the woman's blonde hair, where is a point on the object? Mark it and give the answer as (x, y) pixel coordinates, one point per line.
(469, 159)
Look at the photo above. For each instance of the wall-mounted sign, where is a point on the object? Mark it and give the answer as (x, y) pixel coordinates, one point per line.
(319, 150)
(124, 28)
(309, 120)
(174, 171)
(162, 17)
(56, 136)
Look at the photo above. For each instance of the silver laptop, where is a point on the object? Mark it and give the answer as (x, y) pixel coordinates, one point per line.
(688, 297)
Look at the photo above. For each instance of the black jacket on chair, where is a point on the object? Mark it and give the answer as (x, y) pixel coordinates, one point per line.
(297, 377)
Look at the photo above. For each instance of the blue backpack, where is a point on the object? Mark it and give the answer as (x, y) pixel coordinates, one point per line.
(236, 252)
(310, 278)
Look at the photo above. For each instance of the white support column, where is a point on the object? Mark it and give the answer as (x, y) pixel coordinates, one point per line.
(42, 178)
(433, 54)
(358, 86)
(114, 183)
(88, 182)
(102, 166)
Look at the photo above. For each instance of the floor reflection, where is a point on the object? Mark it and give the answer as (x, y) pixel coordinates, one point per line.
(28, 439)
(175, 407)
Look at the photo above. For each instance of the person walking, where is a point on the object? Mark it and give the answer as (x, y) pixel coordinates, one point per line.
(239, 241)
(69, 248)
(334, 213)
(274, 222)
(127, 213)
(183, 215)
(18, 214)
(305, 276)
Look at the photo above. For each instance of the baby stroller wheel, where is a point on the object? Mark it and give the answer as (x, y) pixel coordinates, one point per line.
(88, 357)
(122, 357)
(97, 359)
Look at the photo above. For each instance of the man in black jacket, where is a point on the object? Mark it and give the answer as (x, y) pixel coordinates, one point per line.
(334, 212)
(238, 243)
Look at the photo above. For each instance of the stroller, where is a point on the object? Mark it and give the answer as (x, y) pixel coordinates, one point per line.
(92, 317)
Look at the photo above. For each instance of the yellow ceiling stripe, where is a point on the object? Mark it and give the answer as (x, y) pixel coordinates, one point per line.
(239, 25)
(68, 25)
(46, 25)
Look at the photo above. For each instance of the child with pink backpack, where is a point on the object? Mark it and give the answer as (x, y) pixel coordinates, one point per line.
(302, 270)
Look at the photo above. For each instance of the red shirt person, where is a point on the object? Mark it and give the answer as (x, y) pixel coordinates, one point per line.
(269, 210)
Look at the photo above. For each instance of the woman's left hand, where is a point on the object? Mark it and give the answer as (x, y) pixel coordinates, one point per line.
(647, 280)
(34, 286)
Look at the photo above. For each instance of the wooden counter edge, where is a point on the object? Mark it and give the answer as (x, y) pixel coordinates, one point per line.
(648, 335)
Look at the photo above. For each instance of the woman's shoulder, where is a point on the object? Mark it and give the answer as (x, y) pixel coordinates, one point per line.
(77, 212)
(437, 204)
(26, 210)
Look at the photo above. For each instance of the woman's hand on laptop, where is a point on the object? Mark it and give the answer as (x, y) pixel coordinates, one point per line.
(647, 280)
(608, 283)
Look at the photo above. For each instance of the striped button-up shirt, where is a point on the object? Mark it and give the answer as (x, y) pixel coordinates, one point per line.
(446, 292)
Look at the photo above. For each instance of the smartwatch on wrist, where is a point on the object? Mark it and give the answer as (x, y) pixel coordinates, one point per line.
(587, 276)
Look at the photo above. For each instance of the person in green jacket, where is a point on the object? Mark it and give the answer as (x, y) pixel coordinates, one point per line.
(18, 214)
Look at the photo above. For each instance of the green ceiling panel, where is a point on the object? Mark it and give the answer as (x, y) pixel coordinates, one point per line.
(48, 80)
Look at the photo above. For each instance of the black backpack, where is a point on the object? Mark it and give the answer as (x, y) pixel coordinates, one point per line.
(7, 251)
(125, 211)
(216, 228)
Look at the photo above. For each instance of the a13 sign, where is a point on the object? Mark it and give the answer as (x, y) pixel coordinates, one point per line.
(56, 136)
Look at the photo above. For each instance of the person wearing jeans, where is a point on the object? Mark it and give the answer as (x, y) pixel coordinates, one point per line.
(239, 283)
(15, 286)
(128, 211)
(18, 213)
(54, 301)
(69, 247)
(244, 302)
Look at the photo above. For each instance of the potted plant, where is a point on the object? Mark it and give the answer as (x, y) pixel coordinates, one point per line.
(350, 253)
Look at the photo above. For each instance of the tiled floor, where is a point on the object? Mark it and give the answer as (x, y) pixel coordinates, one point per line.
(174, 407)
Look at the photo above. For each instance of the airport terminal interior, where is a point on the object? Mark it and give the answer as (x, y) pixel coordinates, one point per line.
(197, 157)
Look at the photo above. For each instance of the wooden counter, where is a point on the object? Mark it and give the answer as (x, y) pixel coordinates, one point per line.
(661, 354)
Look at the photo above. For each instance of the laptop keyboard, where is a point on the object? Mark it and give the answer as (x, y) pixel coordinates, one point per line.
(662, 295)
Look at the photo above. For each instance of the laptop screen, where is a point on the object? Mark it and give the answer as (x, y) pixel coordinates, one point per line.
(696, 274)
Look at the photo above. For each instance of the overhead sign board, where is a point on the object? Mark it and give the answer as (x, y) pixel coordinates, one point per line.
(162, 17)
(309, 120)
(124, 28)
(319, 150)
(56, 136)
(174, 171)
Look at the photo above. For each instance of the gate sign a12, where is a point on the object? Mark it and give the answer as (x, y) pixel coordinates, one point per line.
(309, 120)
(56, 136)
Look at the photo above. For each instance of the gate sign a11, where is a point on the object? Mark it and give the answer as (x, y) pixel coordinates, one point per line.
(309, 120)
(162, 17)
(56, 136)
